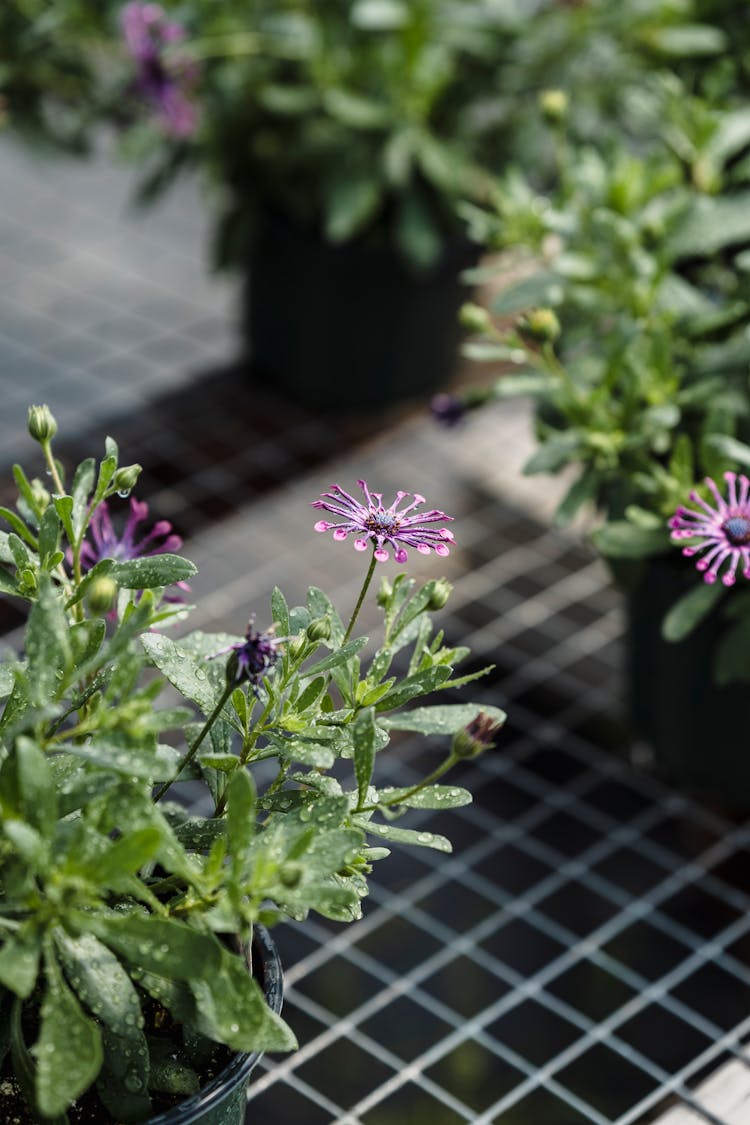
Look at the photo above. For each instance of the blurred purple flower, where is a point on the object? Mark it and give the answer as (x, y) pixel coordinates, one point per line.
(724, 530)
(135, 542)
(382, 525)
(447, 409)
(165, 83)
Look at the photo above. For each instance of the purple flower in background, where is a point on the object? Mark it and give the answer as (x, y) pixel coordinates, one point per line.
(163, 82)
(723, 529)
(133, 543)
(380, 525)
(253, 658)
(447, 409)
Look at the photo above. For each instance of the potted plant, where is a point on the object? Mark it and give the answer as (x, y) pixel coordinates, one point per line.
(336, 143)
(628, 329)
(126, 922)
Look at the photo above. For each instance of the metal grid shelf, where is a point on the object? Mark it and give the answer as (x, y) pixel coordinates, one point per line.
(584, 956)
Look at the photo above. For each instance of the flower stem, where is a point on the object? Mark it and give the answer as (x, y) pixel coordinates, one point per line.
(404, 794)
(193, 750)
(360, 599)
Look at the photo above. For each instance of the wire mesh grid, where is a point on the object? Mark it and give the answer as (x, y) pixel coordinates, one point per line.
(584, 955)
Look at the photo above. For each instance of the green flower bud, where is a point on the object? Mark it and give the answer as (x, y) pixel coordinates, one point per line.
(474, 318)
(290, 875)
(554, 105)
(540, 326)
(476, 737)
(318, 630)
(41, 496)
(41, 423)
(101, 596)
(125, 479)
(440, 593)
(385, 593)
(297, 647)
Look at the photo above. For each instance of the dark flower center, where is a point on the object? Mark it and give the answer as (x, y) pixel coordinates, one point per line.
(737, 531)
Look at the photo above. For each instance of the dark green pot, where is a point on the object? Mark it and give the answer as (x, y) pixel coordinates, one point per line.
(222, 1101)
(694, 728)
(350, 325)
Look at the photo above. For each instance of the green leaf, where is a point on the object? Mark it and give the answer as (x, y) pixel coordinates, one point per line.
(232, 1009)
(413, 686)
(432, 797)
(152, 572)
(731, 655)
(729, 447)
(182, 670)
(169, 1073)
(100, 982)
(8, 584)
(355, 111)
(445, 720)
(241, 813)
(623, 540)
(159, 945)
(68, 1052)
(542, 289)
(690, 610)
(19, 961)
(337, 658)
(123, 857)
(47, 645)
(364, 739)
(691, 39)
(122, 1084)
(280, 611)
(83, 483)
(351, 203)
(64, 508)
(35, 785)
(320, 605)
(404, 835)
(582, 491)
(18, 526)
(711, 224)
(554, 454)
(154, 763)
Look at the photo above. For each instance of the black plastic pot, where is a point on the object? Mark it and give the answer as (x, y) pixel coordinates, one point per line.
(350, 325)
(222, 1101)
(694, 728)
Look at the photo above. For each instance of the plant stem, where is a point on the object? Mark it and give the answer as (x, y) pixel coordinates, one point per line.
(360, 599)
(193, 750)
(404, 794)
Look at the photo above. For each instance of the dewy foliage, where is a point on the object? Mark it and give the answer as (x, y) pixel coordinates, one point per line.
(112, 899)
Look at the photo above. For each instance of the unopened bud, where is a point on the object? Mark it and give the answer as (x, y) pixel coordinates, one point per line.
(319, 629)
(384, 594)
(554, 105)
(539, 325)
(290, 875)
(41, 423)
(42, 498)
(476, 737)
(474, 318)
(101, 596)
(441, 591)
(297, 646)
(124, 480)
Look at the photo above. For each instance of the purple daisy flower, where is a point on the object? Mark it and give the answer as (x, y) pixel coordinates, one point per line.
(374, 522)
(723, 529)
(165, 84)
(253, 658)
(133, 543)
